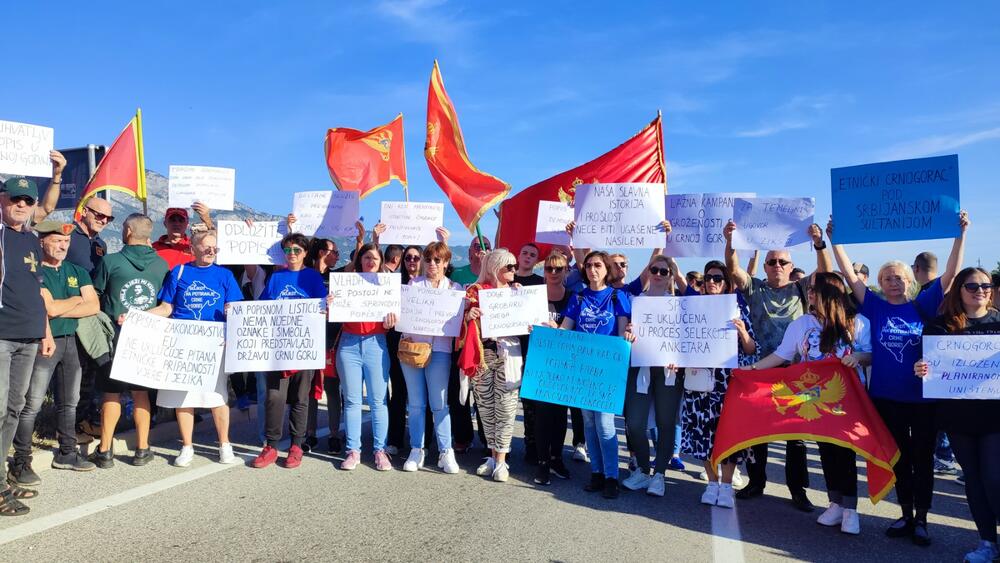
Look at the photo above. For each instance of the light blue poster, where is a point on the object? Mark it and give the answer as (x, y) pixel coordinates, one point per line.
(577, 369)
(891, 201)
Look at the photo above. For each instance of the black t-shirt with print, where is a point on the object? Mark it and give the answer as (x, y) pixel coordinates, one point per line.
(23, 314)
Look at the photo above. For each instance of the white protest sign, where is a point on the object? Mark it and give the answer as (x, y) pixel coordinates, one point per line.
(213, 186)
(509, 312)
(962, 367)
(693, 331)
(431, 311)
(275, 335)
(410, 222)
(24, 149)
(363, 297)
(240, 243)
(550, 228)
(162, 353)
(772, 223)
(326, 214)
(697, 222)
(618, 216)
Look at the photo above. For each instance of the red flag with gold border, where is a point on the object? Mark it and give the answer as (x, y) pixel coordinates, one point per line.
(822, 401)
(122, 169)
(364, 161)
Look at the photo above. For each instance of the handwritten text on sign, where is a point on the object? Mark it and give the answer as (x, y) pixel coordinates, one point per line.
(363, 297)
(772, 223)
(509, 312)
(240, 243)
(900, 200)
(213, 186)
(550, 228)
(618, 216)
(411, 222)
(326, 214)
(962, 367)
(275, 335)
(693, 331)
(162, 353)
(697, 222)
(431, 311)
(24, 149)
(577, 369)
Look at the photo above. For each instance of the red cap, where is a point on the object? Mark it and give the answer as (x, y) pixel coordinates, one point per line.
(177, 211)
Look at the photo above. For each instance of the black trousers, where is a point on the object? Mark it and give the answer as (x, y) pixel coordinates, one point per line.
(796, 473)
(979, 456)
(550, 430)
(461, 415)
(840, 471)
(529, 408)
(397, 396)
(331, 385)
(912, 427)
(576, 418)
(293, 391)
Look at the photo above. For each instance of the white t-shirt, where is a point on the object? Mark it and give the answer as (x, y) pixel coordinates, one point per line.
(801, 341)
(438, 343)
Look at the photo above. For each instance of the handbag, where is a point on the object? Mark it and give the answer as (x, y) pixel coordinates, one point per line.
(700, 380)
(415, 354)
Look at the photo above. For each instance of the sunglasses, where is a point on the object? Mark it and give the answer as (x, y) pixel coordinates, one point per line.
(433, 260)
(328, 251)
(697, 283)
(211, 250)
(412, 258)
(659, 271)
(972, 287)
(621, 264)
(717, 278)
(100, 216)
(555, 269)
(775, 262)
(510, 267)
(292, 250)
(594, 266)
(27, 199)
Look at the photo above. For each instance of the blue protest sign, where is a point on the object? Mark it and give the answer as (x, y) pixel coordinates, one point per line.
(901, 200)
(577, 369)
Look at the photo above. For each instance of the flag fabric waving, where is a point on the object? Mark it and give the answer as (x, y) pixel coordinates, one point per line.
(364, 161)
(122, 169)
(471, 191)
(823, 401)
(639, 159)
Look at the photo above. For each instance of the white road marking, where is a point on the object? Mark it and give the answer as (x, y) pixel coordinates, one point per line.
(727, 544)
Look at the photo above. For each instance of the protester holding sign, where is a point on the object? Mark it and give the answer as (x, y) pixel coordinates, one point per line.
(972, 424)
(600, 309)
(831, 329)
(898, 322)
(292, 386)
(363, 360)
(323, 256)
(199, 291)
(494, 364)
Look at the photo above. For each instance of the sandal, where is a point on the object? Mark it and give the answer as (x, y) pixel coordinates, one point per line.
(20, 493)
(10, 506)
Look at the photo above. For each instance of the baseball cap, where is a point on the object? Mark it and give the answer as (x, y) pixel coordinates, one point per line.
(177, 211)
(21, 187)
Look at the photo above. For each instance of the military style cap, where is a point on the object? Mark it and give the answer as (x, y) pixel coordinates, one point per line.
(53, 227)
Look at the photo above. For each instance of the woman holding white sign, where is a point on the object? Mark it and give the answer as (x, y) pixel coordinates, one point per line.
(972, 425)
(199, 290)
(427, 380)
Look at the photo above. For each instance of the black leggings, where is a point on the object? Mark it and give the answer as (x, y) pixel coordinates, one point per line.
(979, 456)
(912, 427)
(550, 430)
(796, 472)
(294, 391)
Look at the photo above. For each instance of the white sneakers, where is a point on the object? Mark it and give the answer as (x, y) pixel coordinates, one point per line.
(415, 460)
(851, 523)
(656, 485)
(637, 480)
(833, 515)
(487, 467)
(447, 463)
(580, 454)
(184, 458)
(739, 481)
(711, 494)
(501, 473)
(226, 455)
(726, 498)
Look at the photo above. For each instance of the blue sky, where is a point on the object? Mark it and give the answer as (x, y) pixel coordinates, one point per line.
(763, 97)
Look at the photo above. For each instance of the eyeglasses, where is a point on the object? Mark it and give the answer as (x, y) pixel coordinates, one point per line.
(430, 260)
(621, 264)
(100, 216)
(210, 250)
(697, 283)
(292, 250)
(411, 258)
(775, 261)
(555, 269)
(972, 287)
(328, 251)
(594, 265)
(659, 271)
(716, 278)
(510, 267)
(27, 199)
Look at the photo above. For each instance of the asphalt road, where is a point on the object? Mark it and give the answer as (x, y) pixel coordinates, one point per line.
(316, 512)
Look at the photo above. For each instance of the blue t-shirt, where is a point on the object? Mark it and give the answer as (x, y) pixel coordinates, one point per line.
(896, 343)
(303, 284)
(596, 312)
(200, 293)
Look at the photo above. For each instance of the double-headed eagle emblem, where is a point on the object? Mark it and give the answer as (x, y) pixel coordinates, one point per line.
(810, 396)
(382, 142)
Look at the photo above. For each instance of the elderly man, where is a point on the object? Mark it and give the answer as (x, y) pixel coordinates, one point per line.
(69, 295)
(175, 246)
(24, 332)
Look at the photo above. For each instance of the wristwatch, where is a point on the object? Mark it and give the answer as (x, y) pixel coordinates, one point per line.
(820, 246)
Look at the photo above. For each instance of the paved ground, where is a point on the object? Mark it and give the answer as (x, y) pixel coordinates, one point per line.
(213, 512)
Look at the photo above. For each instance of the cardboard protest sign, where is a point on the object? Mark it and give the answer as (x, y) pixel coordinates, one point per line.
(24, 149)
(962, 367)
(162, 353)
(431, 311)
(410, 222)
(914, 199)
(772, 223)
(697, 222)
(576, 369)
(363, 297)
(212, 186)
(275, 335)
(550, 227)
(619, 216)
(240, 243)
(509, 312)
(694, 331)
(326, 214)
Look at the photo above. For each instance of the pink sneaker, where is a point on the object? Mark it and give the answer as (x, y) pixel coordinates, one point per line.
(382, 462)
(351, 461)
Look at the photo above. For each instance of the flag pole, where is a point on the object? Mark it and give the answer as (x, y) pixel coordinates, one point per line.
(479, 235)
(142, 160)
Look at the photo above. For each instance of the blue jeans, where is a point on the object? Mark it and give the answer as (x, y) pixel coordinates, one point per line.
(363, 360)
(429, 384)
(602, 442)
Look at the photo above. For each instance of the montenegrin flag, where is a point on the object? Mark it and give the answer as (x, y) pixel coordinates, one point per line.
(471, 192)
(822, 401)
(123, 167)
(639, 159)
(364, 161)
